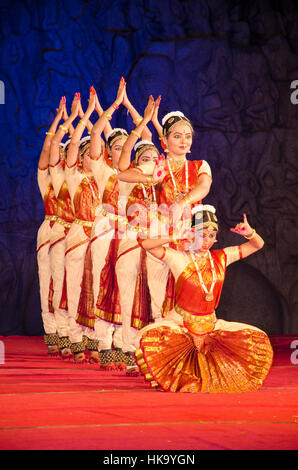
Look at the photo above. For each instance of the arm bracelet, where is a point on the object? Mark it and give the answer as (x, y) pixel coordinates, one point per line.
(137, 121)
(108, 116)
(250, 237)
(135, 133)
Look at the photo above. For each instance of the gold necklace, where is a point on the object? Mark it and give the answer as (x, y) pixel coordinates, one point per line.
(178, 163)
(208, 294)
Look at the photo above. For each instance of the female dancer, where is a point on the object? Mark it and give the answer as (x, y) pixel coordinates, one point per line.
(60, 229)
(141, 278)
(191, 350)
(85, 199)
(184, 182)
(43, 236)
(104, 239)
(108, 231)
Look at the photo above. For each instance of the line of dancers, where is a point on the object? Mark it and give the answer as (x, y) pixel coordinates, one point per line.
(128, 277)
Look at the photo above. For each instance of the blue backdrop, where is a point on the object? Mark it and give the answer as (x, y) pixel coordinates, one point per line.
(227, 65)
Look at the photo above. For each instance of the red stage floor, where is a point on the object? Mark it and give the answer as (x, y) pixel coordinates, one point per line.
(49, 404)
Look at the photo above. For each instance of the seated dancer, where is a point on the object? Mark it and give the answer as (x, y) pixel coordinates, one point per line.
(191, 350)
(105, 237)
(85, 198)
(60, 229)
(141, 278)
(43, 236)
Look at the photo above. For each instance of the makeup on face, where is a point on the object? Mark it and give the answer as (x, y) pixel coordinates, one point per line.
(148, 156)
(179, 140)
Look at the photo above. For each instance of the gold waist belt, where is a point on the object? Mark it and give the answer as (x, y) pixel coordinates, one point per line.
(62, 222)
(134, 228)
(199, 324)
(123, 220)
(51, 217)
(111, 216)
(85, 223)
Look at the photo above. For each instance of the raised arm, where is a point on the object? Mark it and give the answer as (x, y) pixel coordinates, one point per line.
(73, 148)
(88, 123)
(255, 241)
(136, 117)
(99, 126)
(125, 157)
(65, 117)
(54, 152)
(45, 152)
(155, 120)
(99, 110)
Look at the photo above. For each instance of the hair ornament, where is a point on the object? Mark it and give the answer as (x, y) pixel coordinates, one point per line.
(172, 114)
(116, 129)
(143, 142)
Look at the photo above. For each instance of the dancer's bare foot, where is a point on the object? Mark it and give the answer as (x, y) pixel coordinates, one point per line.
(80, 358)
(121, 366)
(66, 353)
(119, 358)
(94, 357)
(107, 360)
(132, 371)
(53, 350)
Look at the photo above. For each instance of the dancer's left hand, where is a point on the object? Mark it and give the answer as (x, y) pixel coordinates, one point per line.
(243, 228)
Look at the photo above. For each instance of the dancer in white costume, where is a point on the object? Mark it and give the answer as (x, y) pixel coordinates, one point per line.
(44, 233)
(141, 278)
(85, 199)
(105, 237)
(60, 229)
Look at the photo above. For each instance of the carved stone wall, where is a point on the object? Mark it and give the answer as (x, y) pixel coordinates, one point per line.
(228, 65)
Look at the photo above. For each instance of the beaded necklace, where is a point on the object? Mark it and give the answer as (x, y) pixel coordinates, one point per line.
(209, 294)
(147, 199)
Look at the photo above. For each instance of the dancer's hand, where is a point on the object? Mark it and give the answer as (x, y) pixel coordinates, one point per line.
(81, 111)
(160, 169)
(60, 110)
(156, 108)
(126, 101)
(149, 110)
(92, 99)
(75, 105)
(243, 228)
(120, 92)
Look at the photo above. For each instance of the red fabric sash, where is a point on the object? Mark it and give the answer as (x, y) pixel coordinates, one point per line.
(85, 314)
(108, 301)
(141, 309)
(50, 201)
(170, 297)
(50, 296)
(63, 301)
